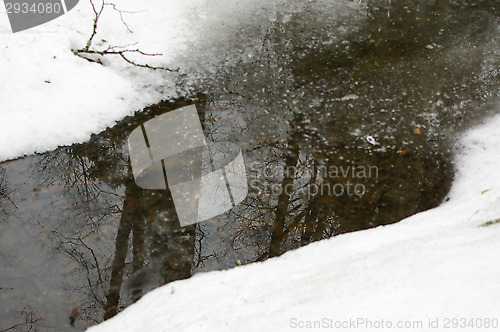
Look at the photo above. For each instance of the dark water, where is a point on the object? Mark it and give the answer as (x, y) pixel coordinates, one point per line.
(358, 126)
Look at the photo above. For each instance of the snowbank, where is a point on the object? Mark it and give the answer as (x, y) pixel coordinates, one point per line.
(50, 97)
(435, 265)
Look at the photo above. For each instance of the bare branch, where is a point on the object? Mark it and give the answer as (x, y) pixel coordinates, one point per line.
(94, 27)
(121, 51)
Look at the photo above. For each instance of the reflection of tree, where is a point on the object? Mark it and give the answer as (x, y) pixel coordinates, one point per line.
(414, 169)
(399, 186)
(30, 321)
(282, 207)
(96, 181)
(6, 203)
(404, 183)
(3, 183)
(170, 247)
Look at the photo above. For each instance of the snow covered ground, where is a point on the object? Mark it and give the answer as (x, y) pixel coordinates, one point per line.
(423, 271)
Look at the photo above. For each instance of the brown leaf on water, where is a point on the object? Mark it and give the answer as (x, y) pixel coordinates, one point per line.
(74, 315)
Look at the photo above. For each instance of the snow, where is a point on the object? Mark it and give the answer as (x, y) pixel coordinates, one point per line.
(435, 265)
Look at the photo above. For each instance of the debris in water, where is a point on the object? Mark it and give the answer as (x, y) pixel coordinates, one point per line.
(74, 315)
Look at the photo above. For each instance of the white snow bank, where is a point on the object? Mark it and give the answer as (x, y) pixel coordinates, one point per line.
(437, 264)
(50, 97)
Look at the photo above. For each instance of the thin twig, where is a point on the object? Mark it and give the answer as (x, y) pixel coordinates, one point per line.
(120, 12)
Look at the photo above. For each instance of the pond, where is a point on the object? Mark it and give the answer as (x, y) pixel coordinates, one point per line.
(343, 125)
